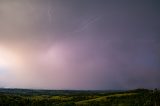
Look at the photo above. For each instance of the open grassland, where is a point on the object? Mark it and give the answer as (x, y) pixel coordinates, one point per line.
(104, 98)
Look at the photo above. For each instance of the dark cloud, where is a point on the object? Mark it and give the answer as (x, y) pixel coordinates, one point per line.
(79, 44)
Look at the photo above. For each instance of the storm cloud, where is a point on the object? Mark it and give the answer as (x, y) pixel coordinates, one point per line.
(80, 44)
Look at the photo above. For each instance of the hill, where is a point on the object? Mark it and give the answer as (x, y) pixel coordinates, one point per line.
(28, 97)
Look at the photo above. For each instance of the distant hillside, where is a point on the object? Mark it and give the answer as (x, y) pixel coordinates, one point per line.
(26, 97)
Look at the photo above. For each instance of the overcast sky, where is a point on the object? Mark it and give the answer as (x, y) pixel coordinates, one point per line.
(80, 44)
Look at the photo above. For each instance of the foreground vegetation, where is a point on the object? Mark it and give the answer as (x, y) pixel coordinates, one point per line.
(23, 97)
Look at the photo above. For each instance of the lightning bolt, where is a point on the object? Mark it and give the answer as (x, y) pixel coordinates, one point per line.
(49, 13)
(87, 24)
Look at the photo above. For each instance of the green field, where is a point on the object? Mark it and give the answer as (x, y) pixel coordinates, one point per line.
(24, 97)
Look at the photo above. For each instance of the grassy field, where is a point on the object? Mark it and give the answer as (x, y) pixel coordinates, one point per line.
(103, 98)
(24, 97)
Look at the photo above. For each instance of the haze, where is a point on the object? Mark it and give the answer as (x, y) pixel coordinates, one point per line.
(80, 44)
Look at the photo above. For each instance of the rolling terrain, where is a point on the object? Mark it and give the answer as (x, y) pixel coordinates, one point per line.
(26, 97)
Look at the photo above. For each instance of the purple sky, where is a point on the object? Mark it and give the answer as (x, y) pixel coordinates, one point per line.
(80, 44)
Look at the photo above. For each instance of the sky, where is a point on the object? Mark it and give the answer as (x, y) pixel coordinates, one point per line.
(80, 44)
